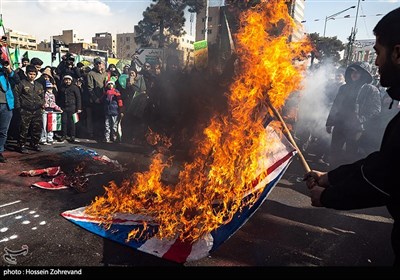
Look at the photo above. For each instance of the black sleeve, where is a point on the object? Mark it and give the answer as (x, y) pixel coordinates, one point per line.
(17, 92)
(369, 182)
(353, 192)
(78, 98)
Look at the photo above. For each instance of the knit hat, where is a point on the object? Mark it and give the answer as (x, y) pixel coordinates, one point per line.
(97, 60)
(49, 84)
(67, 77)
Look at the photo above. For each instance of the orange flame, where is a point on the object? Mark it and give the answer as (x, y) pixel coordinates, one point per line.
(230, 154)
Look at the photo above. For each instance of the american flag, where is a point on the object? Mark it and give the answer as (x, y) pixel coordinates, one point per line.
(174, 249)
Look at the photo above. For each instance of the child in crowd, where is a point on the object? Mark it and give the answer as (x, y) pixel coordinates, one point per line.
(113, 110)
(29, 99)
(50, 106)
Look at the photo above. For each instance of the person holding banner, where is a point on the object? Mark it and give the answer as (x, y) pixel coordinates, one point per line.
(51, 115)
(372, 181)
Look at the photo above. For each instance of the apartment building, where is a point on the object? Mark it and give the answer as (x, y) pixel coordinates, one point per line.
(20, 39)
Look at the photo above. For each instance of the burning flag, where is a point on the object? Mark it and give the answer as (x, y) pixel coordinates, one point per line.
(238, 158)
(175, 249)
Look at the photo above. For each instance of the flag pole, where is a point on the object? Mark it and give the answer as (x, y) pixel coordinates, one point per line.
(289, 135)
(6, 46)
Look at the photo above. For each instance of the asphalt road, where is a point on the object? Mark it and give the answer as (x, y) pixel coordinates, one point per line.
(286, 231)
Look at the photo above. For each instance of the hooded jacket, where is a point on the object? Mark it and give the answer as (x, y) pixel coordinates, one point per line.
(357, 103)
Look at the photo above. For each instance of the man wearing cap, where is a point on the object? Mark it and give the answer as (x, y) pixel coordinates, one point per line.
(29, 98)
(69, 99)
(96, 79)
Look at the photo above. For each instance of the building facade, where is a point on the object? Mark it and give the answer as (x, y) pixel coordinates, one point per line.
(296, 11)
(21, 40)
(125, 45)
(106, 42)
(208, 24)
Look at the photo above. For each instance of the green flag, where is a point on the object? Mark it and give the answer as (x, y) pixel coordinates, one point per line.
(201, 54)
(25, 55)
(15, 58)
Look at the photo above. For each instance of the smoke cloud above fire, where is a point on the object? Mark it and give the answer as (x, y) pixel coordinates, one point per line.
(230, 150)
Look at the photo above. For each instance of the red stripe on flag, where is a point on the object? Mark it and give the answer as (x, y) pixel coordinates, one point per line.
(272, 168)
(49, 122)
(179, 251)
(279, 162)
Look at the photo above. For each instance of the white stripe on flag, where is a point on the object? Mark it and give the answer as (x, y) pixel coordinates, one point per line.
(53, 122)
(75, 117)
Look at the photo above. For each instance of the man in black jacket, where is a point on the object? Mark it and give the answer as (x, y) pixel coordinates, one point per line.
(372, 181)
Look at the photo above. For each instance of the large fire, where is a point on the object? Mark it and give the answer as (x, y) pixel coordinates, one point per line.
(211, 188)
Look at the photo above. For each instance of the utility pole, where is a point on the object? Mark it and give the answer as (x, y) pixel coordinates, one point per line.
(206, 22)
(352, 37)
(334, 15)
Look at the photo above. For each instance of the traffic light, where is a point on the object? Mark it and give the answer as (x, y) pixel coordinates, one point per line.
(55, 48)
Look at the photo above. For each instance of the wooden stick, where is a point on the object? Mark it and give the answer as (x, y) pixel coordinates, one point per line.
(289, 135)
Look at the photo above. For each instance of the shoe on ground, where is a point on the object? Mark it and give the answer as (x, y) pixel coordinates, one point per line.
(72, 140)
(22, 150)
(2, 158)
(37, 148)
(62, 139)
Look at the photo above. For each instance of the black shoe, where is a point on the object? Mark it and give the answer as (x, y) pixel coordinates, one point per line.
(2, 158)
(62, 139)
(37, 148)
(22, 150)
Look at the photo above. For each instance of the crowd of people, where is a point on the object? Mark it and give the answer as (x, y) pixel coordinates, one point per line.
(111, 106)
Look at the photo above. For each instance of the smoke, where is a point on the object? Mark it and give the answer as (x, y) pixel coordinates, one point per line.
(314, 104)
(186, 103)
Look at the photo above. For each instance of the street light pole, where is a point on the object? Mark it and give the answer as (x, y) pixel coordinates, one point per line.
(352, 37)
(332, 17)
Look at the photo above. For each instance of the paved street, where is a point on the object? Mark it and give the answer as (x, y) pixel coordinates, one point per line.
(285, 231)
